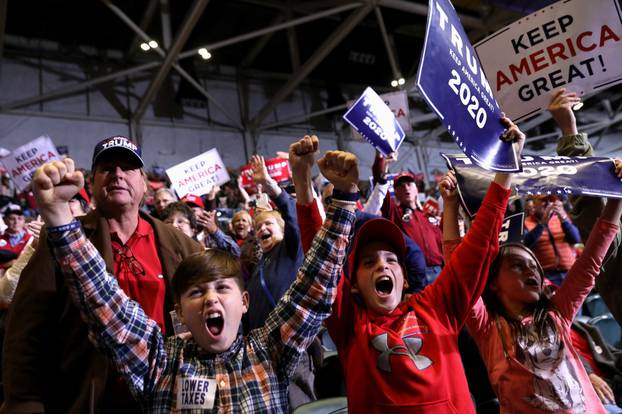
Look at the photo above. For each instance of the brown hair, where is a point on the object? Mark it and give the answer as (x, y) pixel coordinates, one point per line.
(206, 266)
(183, 209)
(540, 309)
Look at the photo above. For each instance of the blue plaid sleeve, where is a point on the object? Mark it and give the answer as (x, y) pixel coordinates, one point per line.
(294, 323)
(117, 325)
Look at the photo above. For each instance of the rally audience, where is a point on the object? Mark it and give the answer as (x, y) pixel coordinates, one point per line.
(252, 308)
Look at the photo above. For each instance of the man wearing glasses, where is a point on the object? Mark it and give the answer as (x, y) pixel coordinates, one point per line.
(49, 363)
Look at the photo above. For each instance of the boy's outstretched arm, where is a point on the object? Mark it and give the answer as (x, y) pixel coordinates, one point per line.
(121, 328)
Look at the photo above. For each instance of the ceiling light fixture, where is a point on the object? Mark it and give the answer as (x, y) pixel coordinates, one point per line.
(204, 53)
(145, 47)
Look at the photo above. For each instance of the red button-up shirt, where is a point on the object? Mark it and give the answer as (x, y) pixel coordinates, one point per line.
(139, 271)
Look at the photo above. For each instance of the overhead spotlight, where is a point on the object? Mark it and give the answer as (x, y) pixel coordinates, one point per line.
(577, 106)
(394, 83)
(153, 44)
(204, 53)
(401, 81)
(145, 46)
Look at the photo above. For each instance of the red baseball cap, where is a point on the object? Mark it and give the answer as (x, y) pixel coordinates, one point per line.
(194, 200)
(377, 230)
(404, 175)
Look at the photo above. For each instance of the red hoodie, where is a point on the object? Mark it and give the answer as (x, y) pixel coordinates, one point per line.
(408, 361)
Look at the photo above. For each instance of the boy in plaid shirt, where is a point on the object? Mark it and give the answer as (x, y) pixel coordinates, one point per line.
(216, 369)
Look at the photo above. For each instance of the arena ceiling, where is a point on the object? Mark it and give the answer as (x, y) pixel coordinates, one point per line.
(326, 43)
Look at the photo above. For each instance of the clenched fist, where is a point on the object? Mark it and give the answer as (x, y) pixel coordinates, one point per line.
(54, 184)
(341, 169)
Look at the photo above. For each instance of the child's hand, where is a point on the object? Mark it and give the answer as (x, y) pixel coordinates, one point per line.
(341, 169)
(618, 167)
(561, 109)
(513, 134)
(449, 188)
(302, 155)
(54, 184)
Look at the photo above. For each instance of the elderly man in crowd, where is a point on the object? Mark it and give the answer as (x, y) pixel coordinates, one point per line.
(49, 364)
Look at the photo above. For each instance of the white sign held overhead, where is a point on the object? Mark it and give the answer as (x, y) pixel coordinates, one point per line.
(199, 174)
(574, 44)
(23, 161)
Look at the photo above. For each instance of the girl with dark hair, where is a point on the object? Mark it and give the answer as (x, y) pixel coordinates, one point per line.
(522, 333)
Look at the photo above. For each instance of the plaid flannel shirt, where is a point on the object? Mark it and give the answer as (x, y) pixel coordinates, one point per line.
(252, 376)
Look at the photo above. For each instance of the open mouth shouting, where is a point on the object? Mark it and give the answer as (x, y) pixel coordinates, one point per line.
(384, 286)
(532, 282)
(215, 323)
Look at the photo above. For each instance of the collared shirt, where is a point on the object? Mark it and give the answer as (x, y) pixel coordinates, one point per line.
(139, 271)
(252, 376)
(427, 235)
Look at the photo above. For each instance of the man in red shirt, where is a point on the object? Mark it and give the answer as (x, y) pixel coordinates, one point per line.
(49, 363)
(405, 211)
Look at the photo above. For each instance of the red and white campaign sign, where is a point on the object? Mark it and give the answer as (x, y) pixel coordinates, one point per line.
(199, 174)
(575, 44)
(278, 169)
(22, 162)
(431, 207)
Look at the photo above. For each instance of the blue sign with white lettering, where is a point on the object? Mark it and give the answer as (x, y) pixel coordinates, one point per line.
(541, 175)
(374, 120)
(453, 83)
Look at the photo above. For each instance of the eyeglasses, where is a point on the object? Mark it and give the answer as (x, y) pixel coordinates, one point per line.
(129, 261)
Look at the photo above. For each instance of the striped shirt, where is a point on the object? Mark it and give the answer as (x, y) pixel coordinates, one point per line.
(252, 376)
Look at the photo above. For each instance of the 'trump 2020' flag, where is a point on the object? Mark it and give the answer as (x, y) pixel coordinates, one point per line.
(452, 82)
(541, 175)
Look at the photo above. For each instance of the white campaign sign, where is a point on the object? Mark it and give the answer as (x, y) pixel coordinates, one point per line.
(398, 104)
(22, 162)
(197, 175)
(575, 44)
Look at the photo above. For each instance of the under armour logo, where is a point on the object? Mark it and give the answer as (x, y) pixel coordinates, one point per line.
(413, 346)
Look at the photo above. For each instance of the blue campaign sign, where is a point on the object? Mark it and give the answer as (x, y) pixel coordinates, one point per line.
(374, 120)
(512, 229)
(453, 83)
(541, 175)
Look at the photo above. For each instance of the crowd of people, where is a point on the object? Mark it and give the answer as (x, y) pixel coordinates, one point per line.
(117, 296)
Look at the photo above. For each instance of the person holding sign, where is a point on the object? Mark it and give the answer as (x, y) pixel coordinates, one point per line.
(216, 368)
(523, 334)
(585, 210)
(401, 355)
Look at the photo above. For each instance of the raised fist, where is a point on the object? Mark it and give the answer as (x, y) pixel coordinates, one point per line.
(302, 154)
(54, 184)
(341, 169)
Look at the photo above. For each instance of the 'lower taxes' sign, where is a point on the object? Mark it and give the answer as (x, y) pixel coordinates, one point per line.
(199, 174)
